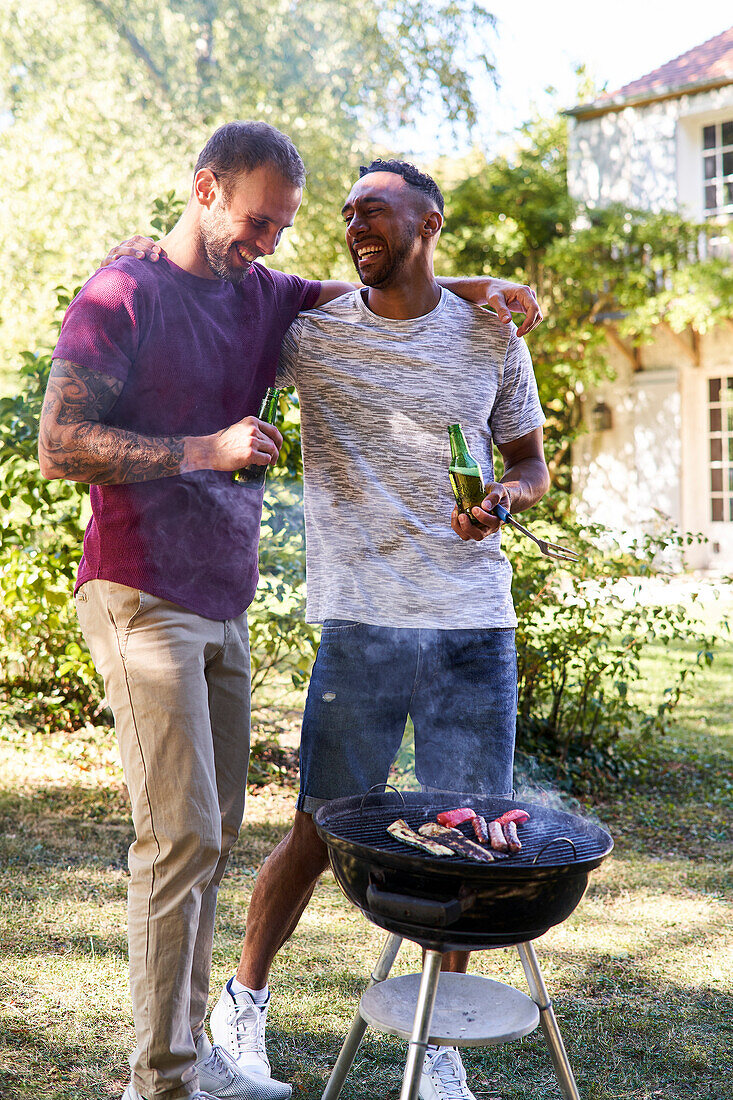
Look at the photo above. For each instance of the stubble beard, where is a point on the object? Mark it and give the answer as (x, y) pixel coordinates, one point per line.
(392, 273)
(215, 241)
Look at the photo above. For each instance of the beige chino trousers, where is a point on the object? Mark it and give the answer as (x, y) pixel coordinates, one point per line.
(178, 685)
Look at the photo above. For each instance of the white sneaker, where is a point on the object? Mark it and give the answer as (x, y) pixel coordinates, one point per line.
(443, 1076)
(221, 1077)
(131, 1093)
(239, 1027)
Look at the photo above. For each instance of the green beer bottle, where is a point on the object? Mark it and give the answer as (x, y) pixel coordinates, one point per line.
(254, 475)
(465, 474)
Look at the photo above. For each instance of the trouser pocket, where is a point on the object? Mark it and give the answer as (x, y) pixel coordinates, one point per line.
(123, 607)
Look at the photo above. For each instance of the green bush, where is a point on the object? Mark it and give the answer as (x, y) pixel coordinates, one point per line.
(46, 670)
(47, 676)
(583, 630)
(283, 645)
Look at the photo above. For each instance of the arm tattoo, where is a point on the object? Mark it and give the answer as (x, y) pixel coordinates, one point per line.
(75, 443)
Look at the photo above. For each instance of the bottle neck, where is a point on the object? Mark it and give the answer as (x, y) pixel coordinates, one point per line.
(268, 408)
(458, 446)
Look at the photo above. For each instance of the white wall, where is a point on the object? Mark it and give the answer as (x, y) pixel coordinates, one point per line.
(655, 459)
(628, 477)
(648, 157)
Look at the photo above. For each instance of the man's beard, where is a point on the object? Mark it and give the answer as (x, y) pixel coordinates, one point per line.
(391, 272)
(216, 242)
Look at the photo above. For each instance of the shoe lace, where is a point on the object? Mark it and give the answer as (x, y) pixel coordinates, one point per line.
(220, 1064)
(249, 1021)
(448, 1068)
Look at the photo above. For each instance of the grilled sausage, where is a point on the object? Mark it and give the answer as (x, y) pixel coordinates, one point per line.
(400, 830)
(517, 816)
(451, 818)
(497, 838)
(454, 839)
(479, 828)
(510, 832)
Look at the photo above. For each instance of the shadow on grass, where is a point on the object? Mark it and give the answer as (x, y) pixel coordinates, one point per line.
(41, 1062)
(72, 826)
(32, 838)
(677, 807)
(628, 1046)
(81, 944)
(73, 800)
(625, 1043)
(78, 826)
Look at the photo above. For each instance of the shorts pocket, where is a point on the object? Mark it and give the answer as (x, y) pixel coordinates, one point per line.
(338, 626)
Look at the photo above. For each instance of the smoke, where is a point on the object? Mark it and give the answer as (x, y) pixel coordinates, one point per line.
(533, 784)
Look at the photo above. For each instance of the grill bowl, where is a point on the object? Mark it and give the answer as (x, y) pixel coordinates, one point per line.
(456, 903)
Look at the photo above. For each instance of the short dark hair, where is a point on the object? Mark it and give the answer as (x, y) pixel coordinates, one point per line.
(238, 147)
(410, 174)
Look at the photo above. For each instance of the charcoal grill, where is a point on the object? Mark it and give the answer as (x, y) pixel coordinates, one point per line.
(455, 903)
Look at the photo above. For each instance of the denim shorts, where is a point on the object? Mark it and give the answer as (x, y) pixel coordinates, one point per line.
(458, 686)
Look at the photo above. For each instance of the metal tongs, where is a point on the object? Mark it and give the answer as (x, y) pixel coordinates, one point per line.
(549, 549)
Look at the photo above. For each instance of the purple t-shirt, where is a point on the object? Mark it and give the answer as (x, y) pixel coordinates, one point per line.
(195, 356)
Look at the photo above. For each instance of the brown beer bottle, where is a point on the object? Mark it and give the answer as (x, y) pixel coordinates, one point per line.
(253, 475)
(465, 474)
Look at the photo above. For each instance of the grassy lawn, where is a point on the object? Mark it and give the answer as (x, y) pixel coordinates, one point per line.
(640, 974)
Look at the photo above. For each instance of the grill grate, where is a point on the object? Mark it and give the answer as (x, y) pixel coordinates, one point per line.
(368, 826)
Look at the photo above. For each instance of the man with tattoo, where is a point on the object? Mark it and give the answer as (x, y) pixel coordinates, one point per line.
(155, 379)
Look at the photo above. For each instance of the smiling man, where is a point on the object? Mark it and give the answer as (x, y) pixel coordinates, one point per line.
(156, 378)
(415, 622)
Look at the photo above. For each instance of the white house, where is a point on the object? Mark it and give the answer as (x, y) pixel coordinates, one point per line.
(661, 434)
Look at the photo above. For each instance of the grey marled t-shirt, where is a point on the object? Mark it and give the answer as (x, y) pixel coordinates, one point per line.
(376, 398)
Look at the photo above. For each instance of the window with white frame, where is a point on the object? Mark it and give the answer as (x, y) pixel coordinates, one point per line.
(720, 407)
(717, 165)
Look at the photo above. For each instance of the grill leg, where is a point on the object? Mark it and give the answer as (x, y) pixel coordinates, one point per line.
(421, 1026)
(553, 1038)
(352, 1042)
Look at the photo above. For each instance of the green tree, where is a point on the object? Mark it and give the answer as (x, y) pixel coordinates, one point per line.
(503, 214)
(104, 104)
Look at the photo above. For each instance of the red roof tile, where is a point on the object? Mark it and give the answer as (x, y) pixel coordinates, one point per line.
(712, 61)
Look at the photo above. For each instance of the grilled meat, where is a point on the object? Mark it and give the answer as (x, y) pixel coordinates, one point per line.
(513, 841)
(451, 818)
(497, 838)
(479, 828)
(517, 816)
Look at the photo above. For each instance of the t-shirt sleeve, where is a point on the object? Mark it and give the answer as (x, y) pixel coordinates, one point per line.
(101, 328)
(293, 294)
(287, 366)
(517, 409)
